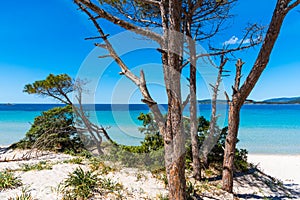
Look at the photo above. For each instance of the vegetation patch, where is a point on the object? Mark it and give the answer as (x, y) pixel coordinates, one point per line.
(97, 164)
(79, 185)
(77, 161)
(53, 131)
(42, 165)
(8, 180)
(25, 195)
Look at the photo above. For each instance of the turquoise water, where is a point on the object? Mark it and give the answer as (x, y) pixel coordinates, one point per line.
(267, 129)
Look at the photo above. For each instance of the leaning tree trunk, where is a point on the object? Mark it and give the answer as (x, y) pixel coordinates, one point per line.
(279, 14)
(230, 143)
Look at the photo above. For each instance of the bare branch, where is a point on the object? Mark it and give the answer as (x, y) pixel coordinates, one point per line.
(197, 5)
(264, 55)
(126, 25)
(140, 82)
(101, 45)
(239, 64)
(104, 56)
(186, 101)
(227, 97)
(93, 38)
(153, 2)
(293, 5)
(184, 64)
(214, 133)
(137, 18)
(226, 51)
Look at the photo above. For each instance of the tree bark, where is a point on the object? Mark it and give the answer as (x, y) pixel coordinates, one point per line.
(174, 138)
(211, 140)
(193, 112)
(240, 94)
(230, 144)
(175, 148)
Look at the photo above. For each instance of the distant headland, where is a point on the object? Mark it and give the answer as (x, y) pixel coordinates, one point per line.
(281, 100)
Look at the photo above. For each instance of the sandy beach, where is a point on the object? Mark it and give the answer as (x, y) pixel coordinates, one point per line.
(283, 167)
(277, 177)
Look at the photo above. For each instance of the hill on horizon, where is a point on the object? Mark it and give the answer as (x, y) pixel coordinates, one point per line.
(280, 100)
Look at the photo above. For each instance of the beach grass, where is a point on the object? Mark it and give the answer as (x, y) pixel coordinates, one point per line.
(8, 180)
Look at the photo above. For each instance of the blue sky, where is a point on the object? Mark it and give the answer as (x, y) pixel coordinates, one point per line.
(41, 37)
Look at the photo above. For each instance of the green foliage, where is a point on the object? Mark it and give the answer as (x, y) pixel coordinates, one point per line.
(153, 143)
(77, 161)
(8, 180)
(149, 154)
(54, 131)
(25, 195)
(79, 185)
(190, 190)
(96, 164)
(56, 86)
(240, 161)
(42, 165)
(109, 185)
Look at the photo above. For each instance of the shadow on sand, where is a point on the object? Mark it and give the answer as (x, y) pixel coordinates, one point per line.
(265, 184)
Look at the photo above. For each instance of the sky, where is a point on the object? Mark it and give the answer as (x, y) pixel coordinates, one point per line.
(42, 37)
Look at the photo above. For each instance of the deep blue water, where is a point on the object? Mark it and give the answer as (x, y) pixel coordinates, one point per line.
(268, 129)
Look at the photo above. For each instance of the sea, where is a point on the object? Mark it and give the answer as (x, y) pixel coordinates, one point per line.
(264, 129)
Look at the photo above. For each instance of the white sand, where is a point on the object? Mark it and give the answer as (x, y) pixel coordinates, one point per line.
(142, 185)
(43, 184)
(283, 167)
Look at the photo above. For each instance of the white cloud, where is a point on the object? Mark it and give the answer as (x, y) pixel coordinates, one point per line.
(246, 41)
(235, 40)
(232, 40)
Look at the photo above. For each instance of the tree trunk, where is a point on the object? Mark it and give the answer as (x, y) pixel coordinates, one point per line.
(193, 114)
(240, 94)
(193, 99)
(174, 139)
(230, 143)
(211, 140)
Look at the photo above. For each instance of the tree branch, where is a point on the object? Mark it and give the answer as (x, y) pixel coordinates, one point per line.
(263, 57)
(126, 25)
(186, 101)
(239, 64)
(140, 82)
(153, 2)
(293, 5)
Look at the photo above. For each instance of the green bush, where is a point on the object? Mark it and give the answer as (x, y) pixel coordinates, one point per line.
(8, 180)
(79, 185)
(151, 153)
(53, 130)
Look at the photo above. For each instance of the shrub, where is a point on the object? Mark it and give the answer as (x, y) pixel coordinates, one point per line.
(79, 184)
(152, 146)
(54, 131)
(96, 164)
(77, 161)
(42, 165)
(8, 180)
(25, 195)
(108, 185)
